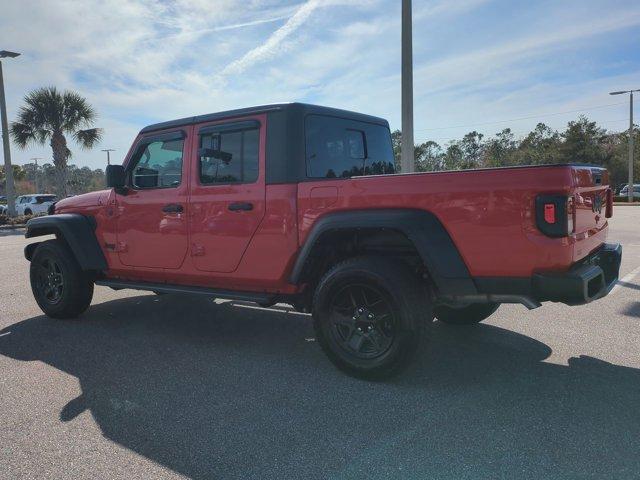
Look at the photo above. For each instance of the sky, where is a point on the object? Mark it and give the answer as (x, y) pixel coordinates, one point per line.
(478, 64)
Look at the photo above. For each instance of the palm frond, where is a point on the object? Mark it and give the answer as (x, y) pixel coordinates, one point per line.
(77, 112)
(87, 138)
(45, 108)
(24, 134)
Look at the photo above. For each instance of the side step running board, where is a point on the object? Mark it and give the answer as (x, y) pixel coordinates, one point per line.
(259, 298)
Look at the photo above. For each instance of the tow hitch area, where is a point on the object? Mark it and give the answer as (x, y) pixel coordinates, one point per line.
(588, 280)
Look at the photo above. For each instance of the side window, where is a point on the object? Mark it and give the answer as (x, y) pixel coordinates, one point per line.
(379, 159)
(341, 148)
(158, 164)
(229, 157)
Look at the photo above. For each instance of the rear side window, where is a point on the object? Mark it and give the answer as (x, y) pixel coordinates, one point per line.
(158, 164)
(45, 198)
(229, 156)
(342, 148)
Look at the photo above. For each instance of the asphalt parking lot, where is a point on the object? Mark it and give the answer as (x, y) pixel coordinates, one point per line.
(181, 387)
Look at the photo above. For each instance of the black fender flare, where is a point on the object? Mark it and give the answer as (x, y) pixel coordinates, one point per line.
(432, 241)
(79, 233)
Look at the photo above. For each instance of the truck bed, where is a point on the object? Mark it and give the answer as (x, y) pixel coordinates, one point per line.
(487, 212)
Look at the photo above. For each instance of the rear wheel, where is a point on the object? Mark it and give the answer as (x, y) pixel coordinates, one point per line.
(369, 316)
(60, 287)
(27, 211)
(469, 315)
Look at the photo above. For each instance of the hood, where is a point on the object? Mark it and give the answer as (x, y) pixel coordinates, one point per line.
(90, 199)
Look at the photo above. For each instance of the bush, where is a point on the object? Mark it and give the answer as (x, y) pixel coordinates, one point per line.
(624, 199)
(18, 220)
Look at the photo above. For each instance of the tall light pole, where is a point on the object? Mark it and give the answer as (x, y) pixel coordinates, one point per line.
(108, 150)
(630, 185)
(35, 159)
(407, 157)
(8, 170)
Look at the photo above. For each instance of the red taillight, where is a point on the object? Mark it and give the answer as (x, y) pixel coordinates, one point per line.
(550, 213)
(554, 215)
(609, 207)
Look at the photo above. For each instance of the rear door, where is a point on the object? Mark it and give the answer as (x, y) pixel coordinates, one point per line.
(151, 223)
(228, 191)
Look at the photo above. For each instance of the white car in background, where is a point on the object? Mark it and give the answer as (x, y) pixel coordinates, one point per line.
(625, 191)
(35, 204)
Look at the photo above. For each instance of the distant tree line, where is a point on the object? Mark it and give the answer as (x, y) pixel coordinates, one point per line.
(583, 141)
(78, 179)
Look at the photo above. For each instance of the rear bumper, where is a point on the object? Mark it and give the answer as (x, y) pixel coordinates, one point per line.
(590, 279)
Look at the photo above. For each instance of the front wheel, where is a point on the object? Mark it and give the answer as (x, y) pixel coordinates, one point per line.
(369, 316)
(468, 315)
(60, 287)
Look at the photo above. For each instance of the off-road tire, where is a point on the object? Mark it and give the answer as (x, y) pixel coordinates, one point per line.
(469, 315)
(403, 293)
(74, 295)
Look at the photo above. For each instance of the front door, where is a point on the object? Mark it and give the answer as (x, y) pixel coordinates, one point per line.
(227, 193)
(152, 225)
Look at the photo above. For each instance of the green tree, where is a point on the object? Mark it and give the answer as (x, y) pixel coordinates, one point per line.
(83, 180)
(616, 147)
(429, 157)
(472, 149)
(539, 147)
(453, 158)
(499, 151)
(47, 116)
(584, 142)
(19, 174)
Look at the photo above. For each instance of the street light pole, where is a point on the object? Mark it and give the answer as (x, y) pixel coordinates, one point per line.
(630, 189)
(8, 169)
(108, 150)
(35, 159)
(407, 156)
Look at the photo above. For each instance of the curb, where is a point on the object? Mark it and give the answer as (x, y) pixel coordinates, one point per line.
(626, 204)
(12, 227)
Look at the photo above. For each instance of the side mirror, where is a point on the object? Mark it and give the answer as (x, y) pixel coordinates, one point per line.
(115, 176)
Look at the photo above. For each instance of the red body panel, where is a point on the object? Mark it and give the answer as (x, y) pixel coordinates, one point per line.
(489, 214)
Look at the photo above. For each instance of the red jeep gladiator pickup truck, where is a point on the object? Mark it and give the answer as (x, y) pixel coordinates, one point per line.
(299, 204)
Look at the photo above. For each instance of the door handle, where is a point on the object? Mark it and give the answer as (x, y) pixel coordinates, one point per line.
(173, 208)
(236, 207)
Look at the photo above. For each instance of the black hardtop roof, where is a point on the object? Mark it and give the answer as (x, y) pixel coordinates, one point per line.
(300, 107)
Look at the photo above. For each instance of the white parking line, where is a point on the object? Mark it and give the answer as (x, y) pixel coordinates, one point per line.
(627, 278)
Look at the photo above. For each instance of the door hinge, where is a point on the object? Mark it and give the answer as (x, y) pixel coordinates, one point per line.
(197, 250)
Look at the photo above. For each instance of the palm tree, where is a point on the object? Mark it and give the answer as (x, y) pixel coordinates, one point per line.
(46, 117)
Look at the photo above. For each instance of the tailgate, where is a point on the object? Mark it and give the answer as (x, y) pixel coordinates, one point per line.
(590, 186)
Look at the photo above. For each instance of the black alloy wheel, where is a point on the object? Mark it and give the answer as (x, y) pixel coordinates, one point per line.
(363, 321)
